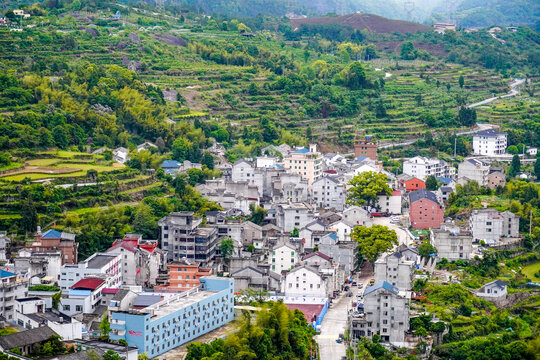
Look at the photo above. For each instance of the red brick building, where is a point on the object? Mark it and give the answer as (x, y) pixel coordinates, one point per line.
(53, 240)
(425, 210)
(365, 148)
(414, 184)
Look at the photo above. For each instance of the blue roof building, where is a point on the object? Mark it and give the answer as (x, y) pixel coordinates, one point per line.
(171, 322)
(5, 274)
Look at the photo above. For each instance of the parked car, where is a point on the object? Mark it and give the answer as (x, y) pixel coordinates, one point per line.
(371, 282)
(354, 283)
(360, 286)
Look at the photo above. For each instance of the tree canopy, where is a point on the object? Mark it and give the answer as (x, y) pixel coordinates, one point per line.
(374, 240)
(365, 187)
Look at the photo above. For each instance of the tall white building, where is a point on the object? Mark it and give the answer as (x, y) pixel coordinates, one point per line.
(490, 225)
(293, 215)
(305, 161)
(109, 265)
(11, 288)
(305, 281)
(396, 270)
(489, 142)
(329, 193)
(422, 167)
(283, 257)
(451, 243)
(4, 243)
(386, 312)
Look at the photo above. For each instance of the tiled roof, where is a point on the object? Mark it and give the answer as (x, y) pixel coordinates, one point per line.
(25, 338)
(124, 244)
(170, 164)
(381, 285)
(317, 253)
(51, 234)
(4, 274)
(302, 151)
(422, 194)
(489, 133)
(89, 284)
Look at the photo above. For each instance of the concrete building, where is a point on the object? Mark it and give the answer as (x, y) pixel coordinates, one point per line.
(329, 193)
(31, 313)
(317, 259)
(141, 259)
(287, 187)
(473, 170)
(441, 28)
(244, 171)
(4, 243)
(173, 321)
(385, 312)
(495, 291)
(357, 215)
(53, 240)
(231, 195)
(396, 270)
(490, 225)
(121, 155)
(390, 204)
(489, 142)
(344, 253)
(451, 243)
(343, 229)
(256, 277)
(284, 256)
(11, 288)
(184, 275)
(28, 264)
(496, 179)
(413, 184)
(183, 237)
(443, 194)
(306, 161)
(25, 340)
(422, 167)
(425, 210)
(83, 297)
(108, 265)
(305, 281)
(293, 215)
(365, 148)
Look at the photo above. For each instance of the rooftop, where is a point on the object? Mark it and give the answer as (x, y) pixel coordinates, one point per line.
(146, 300)
(178, 302)
(489, 133)
(55, 234)
(88, 284)
(99, 260)
(24, 338)
(422, 194)
(382, 285)
(317, 253)
(5, 274)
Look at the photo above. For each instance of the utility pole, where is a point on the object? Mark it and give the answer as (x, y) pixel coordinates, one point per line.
(530, 223)
(409, 7)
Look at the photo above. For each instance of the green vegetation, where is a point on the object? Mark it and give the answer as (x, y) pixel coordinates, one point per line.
(275, 333)
(43, 288)
(374, 240)
(365, 188)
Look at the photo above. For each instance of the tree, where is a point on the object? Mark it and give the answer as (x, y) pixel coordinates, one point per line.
(461, 81)
(29, 216)
(426, 249)
(431, 183)
(144, 221)
(111, 355)
(515, 166)
(226, 247)
(60, 136)
(105, 326)
(56, 298)
(365, 187)
(537, 168)
(374, 240)
(257, 214)
(408, 52)
(208, 160)
(466, 116)
(181, 149)
(512, 149)
(380, 109)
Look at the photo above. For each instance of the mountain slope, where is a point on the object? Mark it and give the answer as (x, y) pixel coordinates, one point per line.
(372, 23)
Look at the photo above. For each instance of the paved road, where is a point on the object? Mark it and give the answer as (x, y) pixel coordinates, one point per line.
(401, 234)
(334, 323)
(513, 92)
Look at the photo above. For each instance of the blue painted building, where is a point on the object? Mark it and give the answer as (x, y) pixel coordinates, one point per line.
(176, 320)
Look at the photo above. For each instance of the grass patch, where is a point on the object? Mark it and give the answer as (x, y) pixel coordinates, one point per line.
(531, 269)
(11, 166)
(42, 162)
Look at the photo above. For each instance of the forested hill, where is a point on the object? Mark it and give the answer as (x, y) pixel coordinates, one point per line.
(482, 13)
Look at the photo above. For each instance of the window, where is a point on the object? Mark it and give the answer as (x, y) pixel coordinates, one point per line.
(78, 308)
(66, 307)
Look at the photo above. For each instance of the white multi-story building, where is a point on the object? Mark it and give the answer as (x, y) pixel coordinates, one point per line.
(267, 161)
(306, 161)
(396, 270)
(489, 142)
(473, 170)
(141, 259)
(83, 296)
(11, 288)
(344, 253)
(385, 312)
(422, 167)
(329, 193)
(293, 215)
(305, 281)
(244, 171)
(343, 229)
(109, 265)
(490, 225)
(357, 215)
(284, 256)
(390, 204)
(451, 243)
(31, 313)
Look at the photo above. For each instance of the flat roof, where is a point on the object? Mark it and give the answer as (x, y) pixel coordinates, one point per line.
(100, 260)
(178, 302)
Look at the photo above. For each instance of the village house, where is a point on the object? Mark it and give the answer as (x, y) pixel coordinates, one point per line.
(108, 265)
(53, 240)
(329, 193)
(365, 148)
(451, 242)
(495, 290)
(183, 275)
(496, 179)
(305, 281)
(490, 225)
(390, 204)
(121, 155)
(4, 243)
(489, 142)
(425, 210)
(305, 161)
(343, 253)
(473, 170)
(283, 256)
(293, 215)
(422, 167)
(256, 277)
(413, 184)
(357, 215)
(12, 287)
(395, 269)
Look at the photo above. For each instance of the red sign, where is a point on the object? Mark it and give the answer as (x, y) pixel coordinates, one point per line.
(135, 333)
